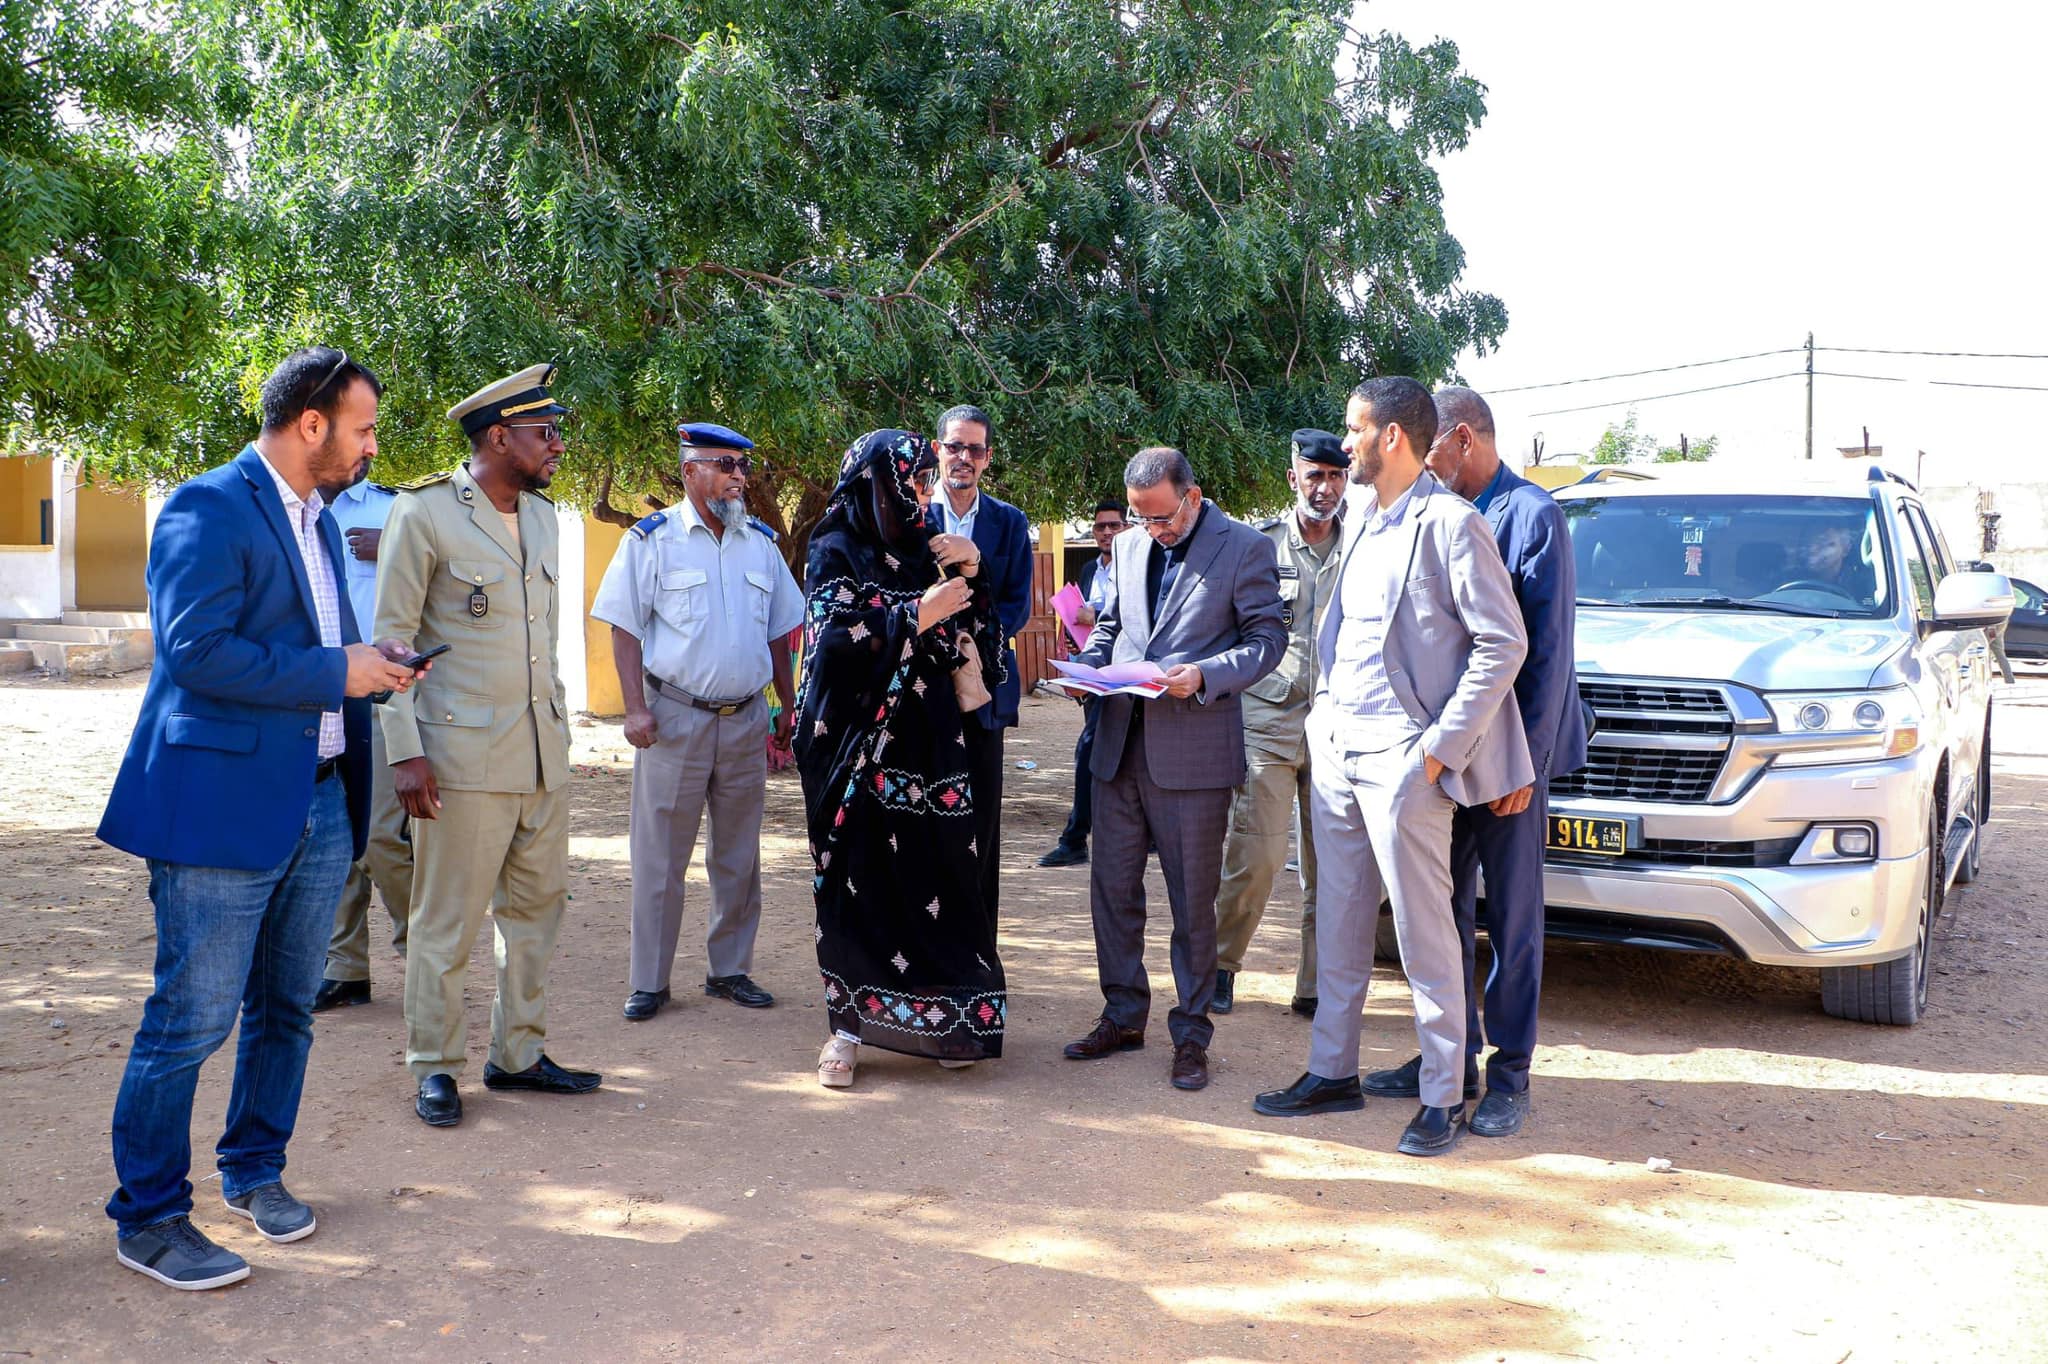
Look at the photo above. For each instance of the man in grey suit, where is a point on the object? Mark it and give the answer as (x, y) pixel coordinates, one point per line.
(1198, 594)
(1417, 653)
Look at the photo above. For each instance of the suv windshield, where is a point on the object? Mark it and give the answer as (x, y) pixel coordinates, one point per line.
(1800, 555)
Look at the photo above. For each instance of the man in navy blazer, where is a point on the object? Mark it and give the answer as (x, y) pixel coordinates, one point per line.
(1003, 537)
(247, 786)
(1505, 838)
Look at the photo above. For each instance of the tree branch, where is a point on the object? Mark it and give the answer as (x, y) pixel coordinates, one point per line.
(1009, 196)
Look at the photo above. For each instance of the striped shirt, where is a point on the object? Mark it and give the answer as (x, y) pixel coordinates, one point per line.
(303, 515)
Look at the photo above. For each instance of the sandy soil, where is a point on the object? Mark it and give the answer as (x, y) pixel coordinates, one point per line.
(1840, 1192)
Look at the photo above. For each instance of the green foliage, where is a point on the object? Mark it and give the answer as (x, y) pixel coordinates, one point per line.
(1111, 226)
(1687, 451)
(115, 219)
(1627, 444)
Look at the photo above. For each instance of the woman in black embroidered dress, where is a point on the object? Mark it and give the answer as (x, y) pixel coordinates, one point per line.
(907, 952)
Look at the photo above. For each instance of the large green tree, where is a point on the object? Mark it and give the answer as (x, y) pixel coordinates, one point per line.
(117, 221)
(1111, 225)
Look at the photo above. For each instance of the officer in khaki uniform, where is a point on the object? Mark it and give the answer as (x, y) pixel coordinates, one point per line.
(481, 760)
(1262, 811)
(701, 607)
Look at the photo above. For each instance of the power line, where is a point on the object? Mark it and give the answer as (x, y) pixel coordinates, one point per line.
(2023, 388)
(1662, 369)
(1944, 383)
(1681, 393)
(1940, 354)
(1876, 378)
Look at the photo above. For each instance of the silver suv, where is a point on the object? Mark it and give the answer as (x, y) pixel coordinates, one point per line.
(1790, 759)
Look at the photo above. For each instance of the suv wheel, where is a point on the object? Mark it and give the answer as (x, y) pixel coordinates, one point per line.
(1893, 992)
(1973, 860)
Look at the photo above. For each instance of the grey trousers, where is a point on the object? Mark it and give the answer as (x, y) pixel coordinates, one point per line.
(701, 761)
(1382, 829)
(387, 863)
(1188, 828)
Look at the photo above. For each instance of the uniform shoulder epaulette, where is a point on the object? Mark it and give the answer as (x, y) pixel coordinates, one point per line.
(429, 481)
(758, 524)
(381, 487)
(542, 496)
(647, 525)
(1271, 522)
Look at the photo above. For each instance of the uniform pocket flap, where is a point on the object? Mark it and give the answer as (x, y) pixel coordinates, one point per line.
(204, 731)
(547, 566)
(476, 572)
(682, 579)
(762, 581)
(453, 708)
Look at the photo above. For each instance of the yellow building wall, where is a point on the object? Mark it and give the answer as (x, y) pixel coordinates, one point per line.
(25, 485)
(600, 542)
(1554, 475)
(111, 536)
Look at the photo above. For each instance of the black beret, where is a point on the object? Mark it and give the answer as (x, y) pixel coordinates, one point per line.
(1320, 447)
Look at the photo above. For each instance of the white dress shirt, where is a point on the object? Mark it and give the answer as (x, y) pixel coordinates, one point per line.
(1370, 718)
(303, 516)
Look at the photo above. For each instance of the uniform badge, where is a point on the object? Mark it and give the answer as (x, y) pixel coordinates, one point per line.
(1287, 617)
(478, 604)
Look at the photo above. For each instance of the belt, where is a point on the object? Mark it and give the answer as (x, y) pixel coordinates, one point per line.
(675, 693)
(324, 769)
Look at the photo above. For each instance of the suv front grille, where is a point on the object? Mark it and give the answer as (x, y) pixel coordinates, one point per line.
(1651, 743)
(1690, 852)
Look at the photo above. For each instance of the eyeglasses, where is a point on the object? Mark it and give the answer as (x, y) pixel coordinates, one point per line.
(927, 479)
(549, 431)
(1109, 525)
(1150, 521)
(957, 448)
(339, 366)
(730, 464)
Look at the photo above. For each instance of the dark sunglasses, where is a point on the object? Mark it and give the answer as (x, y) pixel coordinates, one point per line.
(955, 447)
(926, 479)
(339, 366)
(730, 464)
(549, 431)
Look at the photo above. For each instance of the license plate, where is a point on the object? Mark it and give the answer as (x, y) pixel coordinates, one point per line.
(1586, 834)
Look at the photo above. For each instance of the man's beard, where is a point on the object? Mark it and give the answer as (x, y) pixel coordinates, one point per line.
(331, 468)
(1302, 505)
(1366, 466)
(731, 511)
(960, 479)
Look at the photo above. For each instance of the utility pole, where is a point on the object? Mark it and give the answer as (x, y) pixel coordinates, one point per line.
(1809, 395)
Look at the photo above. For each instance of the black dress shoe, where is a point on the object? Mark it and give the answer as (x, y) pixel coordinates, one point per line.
(1305, 1005)
(642, 1005)
(1105, 1039)
(544, 1077)
(1405, 1082)
(438, 1104)
(339, 994)
(1311, 1094)
(739, 990)
(1064, 856)
(1432, 1131)
(1225, 998)
(1500, 1114)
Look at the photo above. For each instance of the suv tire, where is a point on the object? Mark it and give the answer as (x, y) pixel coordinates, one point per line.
(1892, 992)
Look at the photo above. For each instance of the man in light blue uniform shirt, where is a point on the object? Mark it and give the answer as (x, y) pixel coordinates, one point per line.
(359, 509)
(701, 607)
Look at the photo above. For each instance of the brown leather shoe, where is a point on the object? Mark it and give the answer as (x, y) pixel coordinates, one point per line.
(1105, 1040)
(1190, 1066)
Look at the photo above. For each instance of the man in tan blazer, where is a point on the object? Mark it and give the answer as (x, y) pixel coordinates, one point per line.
(481, 762)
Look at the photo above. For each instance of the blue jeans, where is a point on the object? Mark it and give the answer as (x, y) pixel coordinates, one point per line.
(228, 942)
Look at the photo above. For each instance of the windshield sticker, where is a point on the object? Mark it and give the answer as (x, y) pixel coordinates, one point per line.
(1693, 555)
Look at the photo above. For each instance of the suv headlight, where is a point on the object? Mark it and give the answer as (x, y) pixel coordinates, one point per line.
(1818, 728)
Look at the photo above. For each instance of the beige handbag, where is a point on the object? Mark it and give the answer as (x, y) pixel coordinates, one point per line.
(968, 687)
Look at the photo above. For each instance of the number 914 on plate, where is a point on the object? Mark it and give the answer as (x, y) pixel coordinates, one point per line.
(1602, 837)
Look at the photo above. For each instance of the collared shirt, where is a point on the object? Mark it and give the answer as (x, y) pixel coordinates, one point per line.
(303, 515)
(366, 506)
(1373, 718)
(1098, 587)
(1305, 583)
(1491, 490)
(958, 525)
(704, 608)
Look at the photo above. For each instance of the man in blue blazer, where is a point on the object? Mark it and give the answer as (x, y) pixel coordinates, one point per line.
(247, 786)
(1003, 538)
(1505, 838)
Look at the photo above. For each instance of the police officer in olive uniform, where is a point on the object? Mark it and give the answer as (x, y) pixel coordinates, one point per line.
(701, 607)
(481, 761)
(1262, 812)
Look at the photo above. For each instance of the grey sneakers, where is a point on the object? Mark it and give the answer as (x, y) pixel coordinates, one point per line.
(177, 1254)
(277, 1215)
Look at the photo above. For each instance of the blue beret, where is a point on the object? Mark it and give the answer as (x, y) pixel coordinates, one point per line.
(712, 436)
(1320, 447)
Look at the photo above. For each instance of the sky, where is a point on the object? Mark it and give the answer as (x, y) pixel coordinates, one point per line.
(1657, 184)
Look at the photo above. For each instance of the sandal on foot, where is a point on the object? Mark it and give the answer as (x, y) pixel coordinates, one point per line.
(955, 1065)
(836, 1062)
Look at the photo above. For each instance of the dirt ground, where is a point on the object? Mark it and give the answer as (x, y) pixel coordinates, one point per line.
(1839, 1193)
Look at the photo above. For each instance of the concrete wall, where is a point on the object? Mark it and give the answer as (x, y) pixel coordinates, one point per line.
(29, 584)
(593, 683)
(2022, 525)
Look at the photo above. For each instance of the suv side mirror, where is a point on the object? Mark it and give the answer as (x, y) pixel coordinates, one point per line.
(1972, 601)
